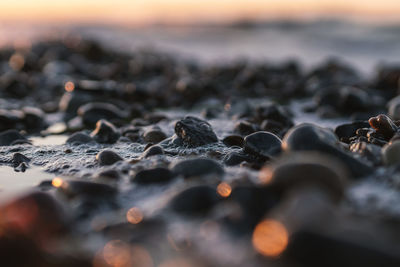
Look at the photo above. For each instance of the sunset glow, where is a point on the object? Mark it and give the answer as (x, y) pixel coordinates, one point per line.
(183, 11)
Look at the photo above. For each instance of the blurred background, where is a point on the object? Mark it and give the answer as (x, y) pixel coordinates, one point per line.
(361, 32)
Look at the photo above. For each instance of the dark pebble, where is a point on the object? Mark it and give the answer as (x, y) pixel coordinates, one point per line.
(262, 144)
(10, 137)
(348, 130)
(79, 138)
(154, 135)
(153, 150)
(195, 132)
(74, 188)
(233, 140)
(107, 157)
(194, 201)
(235, 158)
(244, 128)
(197, 167)
(153, 176)
(105, 133)
(93, 112)
(19, 158)
(308, 137)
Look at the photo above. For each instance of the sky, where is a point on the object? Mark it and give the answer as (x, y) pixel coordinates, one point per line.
(190, 11)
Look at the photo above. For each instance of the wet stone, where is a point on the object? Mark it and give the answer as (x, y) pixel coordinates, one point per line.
(153, 176)
(153, 150)
(262, 144)
(309, 137)
(195, 132)
(235, 158)
(79, 138)
(93, 112)
(384, 126)
(11, 137)
(391, 153)
(194, 201)
(107, 157)
(348, 130)
(244, 128)
(19, 158)
(105, 133)
(197, 167)
(154, 135)
(74, 188)
(233, 140)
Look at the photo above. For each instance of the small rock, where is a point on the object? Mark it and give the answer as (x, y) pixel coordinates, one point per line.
(11, 136)
(75, 188)
(197, 167)
(79, 138)
(391, 153)
(107, 157)
(345, 131)
(19, 158)
(152, 176)
(262, 144)
(197, 200)
(105, 133)
(235, 158)
(154, 135)
(195, 132)
(244, 128)
(93, 112)
(233, 140)
(153, 150)
(384, 126)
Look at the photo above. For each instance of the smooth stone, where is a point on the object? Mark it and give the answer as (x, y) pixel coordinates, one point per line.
(274, 113)
(197, 167)
(391, 153)
(92, 112)
(300, 169)
(244, 128)
(233, 140)
(394, 108)
(384, 126)
(235, 158)
(107, 157)
(9, 119)
(35, 215)
(19, 158)
(79, 138)
(195, 132)
(154, 135)
(10, 136)
(105, 133)
(195, 201)
(108, 174)
(263, 144)
(348, 130)
(153, 176)
(309, 137)
(74, 188)
(34, 119)
(153, 150)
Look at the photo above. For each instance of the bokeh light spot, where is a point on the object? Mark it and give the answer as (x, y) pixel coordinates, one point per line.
(224, 189)
(134, 215)
(270, 238)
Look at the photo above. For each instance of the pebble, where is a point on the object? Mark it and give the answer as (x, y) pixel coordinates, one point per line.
(75, 188)
(153, 150)
(348, 130)
(10, 137)
(297, 170)
(391, 153)
(233, 140)
(19, 158)
(93, 112)
(244, 128)
(105, 133)
(197, 167)
(195, 132)
(384, 126)
(235, 158)
(153, 176)
(262, 144)
(79, 138)
(195, 201)
(309, 137)
(154, 135)
(108, 157)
